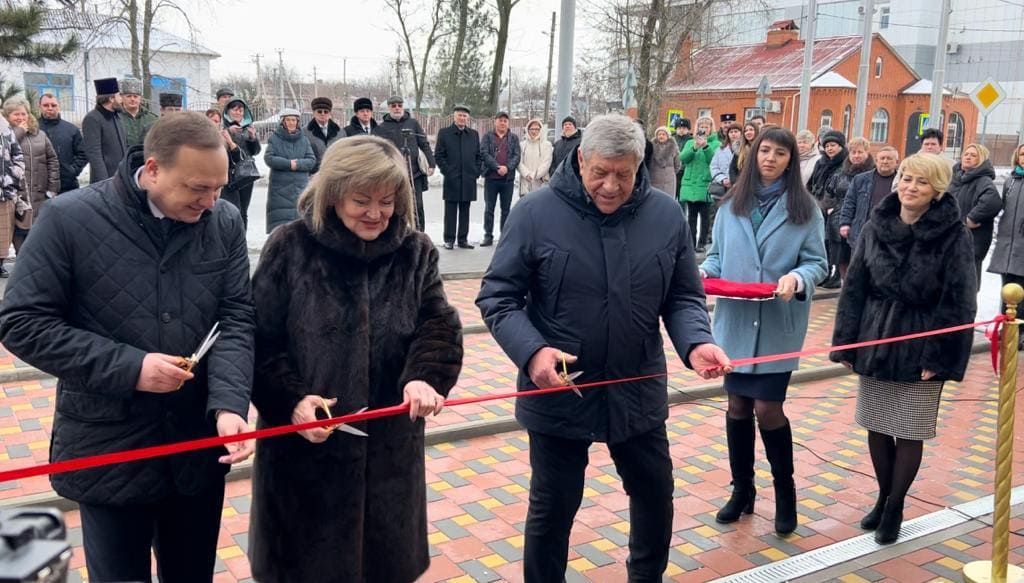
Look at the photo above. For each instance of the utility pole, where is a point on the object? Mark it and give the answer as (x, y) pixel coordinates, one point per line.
(565, 42)
(259, 75)
(316, 93)
(939, 76)
(280, 78)
(510, 89)
(551, 57)
(805, 79)
(344, 80)
(857, 128)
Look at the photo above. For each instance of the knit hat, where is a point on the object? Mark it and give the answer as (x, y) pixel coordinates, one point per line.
(288, 111)
(833, 136)
(131, 86)
(225, 92)
(321, 103)
(363, 103)
(106, 86)
(570, 119)
(170, 100)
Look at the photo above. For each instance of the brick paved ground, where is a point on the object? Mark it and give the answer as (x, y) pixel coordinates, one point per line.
(478, 489)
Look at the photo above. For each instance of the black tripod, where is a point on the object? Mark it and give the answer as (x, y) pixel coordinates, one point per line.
(415, 210)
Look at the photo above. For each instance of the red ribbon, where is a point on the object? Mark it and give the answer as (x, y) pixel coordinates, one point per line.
(995, 339)
(119, 457)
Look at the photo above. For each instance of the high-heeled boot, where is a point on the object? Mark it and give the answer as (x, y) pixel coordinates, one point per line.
(892, 519)
(873, 518)
(740, 437)
(778, 445)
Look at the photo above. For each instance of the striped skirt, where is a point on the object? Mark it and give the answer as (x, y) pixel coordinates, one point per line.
(905, 410)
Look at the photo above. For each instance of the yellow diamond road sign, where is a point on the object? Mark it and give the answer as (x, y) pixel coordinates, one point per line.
(988, 95)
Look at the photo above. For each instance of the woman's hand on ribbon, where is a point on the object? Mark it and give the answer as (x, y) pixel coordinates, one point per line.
(422, 399)
(787, 287)
(709, 361)
(229, 423)
(305, 412)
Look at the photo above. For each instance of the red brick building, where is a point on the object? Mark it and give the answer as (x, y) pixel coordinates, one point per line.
(723, 80)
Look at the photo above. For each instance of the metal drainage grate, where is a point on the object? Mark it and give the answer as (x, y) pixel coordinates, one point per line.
(848, 550)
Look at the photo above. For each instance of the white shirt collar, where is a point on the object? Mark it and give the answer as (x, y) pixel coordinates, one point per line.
(152, 207)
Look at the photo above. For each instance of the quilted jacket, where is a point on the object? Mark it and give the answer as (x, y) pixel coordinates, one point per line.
(100, 283)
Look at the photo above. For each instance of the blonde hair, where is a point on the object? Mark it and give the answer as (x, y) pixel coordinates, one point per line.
(932, 167)
(1016, 156)
(14, 103)
(356, 164)
(861, 143)
(982, 151)
(706, 120)
(806, 136)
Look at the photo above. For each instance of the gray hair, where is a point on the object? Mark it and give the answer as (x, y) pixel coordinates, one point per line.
(613, 136)
(806, 136)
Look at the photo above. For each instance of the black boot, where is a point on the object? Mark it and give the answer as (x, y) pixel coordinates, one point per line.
(889, 526)
(873, 518)
(740, 437)
(778, 445)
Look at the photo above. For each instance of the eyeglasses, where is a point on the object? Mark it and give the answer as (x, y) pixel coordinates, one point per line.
(321, 111)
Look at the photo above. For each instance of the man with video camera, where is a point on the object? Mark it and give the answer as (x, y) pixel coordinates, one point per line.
(407, 135)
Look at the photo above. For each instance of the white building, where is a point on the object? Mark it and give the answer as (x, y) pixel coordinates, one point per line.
(986, 39)
(179, 65)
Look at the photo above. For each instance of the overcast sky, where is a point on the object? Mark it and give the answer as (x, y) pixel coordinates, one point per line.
(322, 33)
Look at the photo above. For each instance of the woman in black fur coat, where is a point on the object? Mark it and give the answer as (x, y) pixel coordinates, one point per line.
(351, 310)
(912, 271)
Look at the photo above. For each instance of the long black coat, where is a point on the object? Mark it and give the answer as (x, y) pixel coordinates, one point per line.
(67, 141)
(459, 158)
(979, 201)
(596, 286)
(104, 138)
(95, 289)
(390, 128)
(835, 195)
(343, 318)
(905, 279)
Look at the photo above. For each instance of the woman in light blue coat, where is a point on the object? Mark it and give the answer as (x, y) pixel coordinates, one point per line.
(768, 229)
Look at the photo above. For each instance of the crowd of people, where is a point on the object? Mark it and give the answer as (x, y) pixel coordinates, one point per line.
(347, 310)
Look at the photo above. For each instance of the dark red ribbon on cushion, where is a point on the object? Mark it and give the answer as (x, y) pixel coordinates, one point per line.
(714, 286)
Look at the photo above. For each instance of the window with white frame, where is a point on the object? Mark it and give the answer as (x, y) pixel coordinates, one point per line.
(847, 114)
(826, 118)
(878, 68)
(880, 126)
(704, 112)
(884, 18)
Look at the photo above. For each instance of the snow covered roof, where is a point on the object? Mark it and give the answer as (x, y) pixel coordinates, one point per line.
(97, 30)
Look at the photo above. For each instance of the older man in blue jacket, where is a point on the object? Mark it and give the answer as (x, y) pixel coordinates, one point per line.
(586, 269)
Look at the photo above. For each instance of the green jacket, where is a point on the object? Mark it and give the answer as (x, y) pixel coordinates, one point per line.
(135, 127)
(694, 186)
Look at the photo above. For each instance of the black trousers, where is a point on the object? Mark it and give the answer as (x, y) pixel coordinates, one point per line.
(418, 191)
(556, 490)
(493, 189)
(694, 211)
(241, 199)
(456, 214)
(182, 530)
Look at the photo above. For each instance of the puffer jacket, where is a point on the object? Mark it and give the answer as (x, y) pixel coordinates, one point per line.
(286, 184)
(12, 163)
(1008, 254)
(42, 168)
(698, 170)
(979, 201)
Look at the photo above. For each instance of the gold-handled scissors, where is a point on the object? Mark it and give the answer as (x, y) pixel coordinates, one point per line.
(326, 409)
(187, 364)
(568, 377)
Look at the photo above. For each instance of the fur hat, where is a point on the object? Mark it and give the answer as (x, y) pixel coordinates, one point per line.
(106, 86)
(321, 103)
(683, 122)
(833, 136)
(362, 103)
(170, 100)
(131, 86)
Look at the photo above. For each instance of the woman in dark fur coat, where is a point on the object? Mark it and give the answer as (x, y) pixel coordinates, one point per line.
(351, 310)
(912, 271)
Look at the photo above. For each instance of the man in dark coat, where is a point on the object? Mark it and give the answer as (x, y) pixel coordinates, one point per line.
(587, 268)
(407, 135)
(569, 139)
(118, 281)
(103, 133)
(322, 131)
(458, 156)
(362, 123)
(500, 152)
(66, 140)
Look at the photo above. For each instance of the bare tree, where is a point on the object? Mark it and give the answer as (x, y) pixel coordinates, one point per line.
(460, 43)
(407, 31)
(504, 16)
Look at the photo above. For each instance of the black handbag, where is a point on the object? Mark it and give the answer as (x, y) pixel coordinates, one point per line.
(243, 173)
(716, 190)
